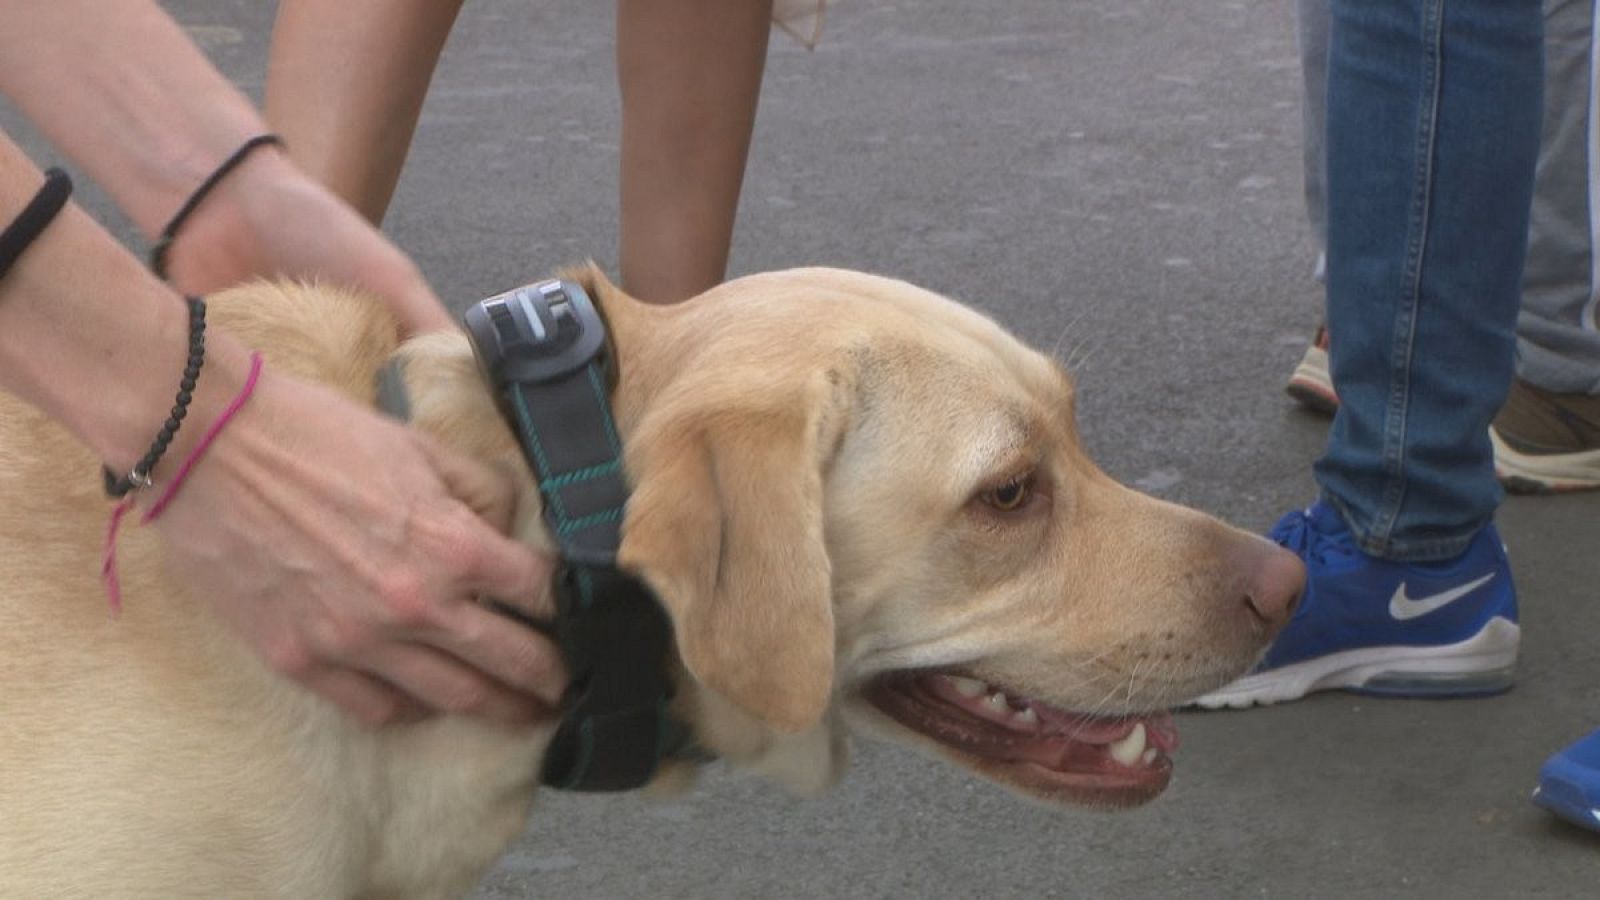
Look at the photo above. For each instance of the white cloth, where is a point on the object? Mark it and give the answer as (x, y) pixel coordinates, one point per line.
(802, 19)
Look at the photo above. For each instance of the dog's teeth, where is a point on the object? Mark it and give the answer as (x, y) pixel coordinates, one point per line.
(1148, 757)
(967, 687)
(1027, 717)
(1128, 750)
(997, 702)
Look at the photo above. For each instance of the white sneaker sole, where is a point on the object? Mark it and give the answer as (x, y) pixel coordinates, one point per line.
(1481, 664)
(1527, 474)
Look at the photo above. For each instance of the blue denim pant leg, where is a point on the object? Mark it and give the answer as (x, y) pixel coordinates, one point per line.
(1433, 133)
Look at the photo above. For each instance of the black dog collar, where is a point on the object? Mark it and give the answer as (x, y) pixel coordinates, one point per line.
(542, 349)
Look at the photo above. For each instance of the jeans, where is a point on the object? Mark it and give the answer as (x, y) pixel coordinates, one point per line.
(1433, 115)
(1558, 336)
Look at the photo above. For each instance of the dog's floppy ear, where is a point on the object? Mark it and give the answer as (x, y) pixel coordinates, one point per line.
(726, 525)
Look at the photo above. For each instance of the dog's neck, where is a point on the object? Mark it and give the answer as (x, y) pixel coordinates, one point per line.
(653, 348)
(647, 342)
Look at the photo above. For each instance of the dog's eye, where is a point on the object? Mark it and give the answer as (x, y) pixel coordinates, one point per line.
(1009, 497)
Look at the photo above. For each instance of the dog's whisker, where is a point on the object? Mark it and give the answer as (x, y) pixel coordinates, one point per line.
(1081, 361)
(1055, 346)
(1105, 701)
(1133, 680)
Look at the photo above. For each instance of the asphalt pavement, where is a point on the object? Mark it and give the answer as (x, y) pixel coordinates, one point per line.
(1118, 179)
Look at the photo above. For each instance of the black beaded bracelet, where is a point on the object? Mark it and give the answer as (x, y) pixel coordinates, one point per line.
(139, 475)
(34, 218)
(158, 253)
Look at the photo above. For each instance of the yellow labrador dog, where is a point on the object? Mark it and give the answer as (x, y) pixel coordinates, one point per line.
(858, 501)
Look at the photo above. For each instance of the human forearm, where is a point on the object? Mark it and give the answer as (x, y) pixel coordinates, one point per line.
(121, 90)
(90, 338)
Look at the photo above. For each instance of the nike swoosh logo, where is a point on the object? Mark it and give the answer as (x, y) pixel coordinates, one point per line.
(1403, 607)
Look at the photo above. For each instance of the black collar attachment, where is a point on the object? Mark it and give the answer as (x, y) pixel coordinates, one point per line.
(542, 349)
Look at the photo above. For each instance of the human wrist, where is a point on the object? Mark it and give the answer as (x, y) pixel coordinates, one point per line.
(96, 343)
(118, 406)
(257, 223)
(125, 441)
(218, 241)
(208, 186)
(173, 165)
(120, 483)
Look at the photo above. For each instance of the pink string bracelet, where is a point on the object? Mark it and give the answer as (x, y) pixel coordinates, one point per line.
(108, 566)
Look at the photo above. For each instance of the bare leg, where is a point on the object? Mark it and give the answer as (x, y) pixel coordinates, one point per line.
(690, 75)
(345, 84)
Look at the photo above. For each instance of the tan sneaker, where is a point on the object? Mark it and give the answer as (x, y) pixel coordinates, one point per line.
(1311, 385)
(1544, 441)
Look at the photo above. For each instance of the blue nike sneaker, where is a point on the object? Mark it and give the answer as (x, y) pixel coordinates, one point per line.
(1376, 626)
(1569, 783)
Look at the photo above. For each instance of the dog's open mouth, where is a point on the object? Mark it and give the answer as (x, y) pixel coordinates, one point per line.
(1050, 753)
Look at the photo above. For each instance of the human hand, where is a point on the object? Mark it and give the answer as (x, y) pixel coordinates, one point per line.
(267, 218)
(350, 552)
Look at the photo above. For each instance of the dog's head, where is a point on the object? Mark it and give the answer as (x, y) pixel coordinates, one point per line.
(855, 497)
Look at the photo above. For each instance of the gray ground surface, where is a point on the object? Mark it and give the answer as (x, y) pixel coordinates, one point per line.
(1118, 176)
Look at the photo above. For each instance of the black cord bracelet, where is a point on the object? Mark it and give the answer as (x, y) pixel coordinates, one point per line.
(139, 475)
(158, 253)
(34, 218)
